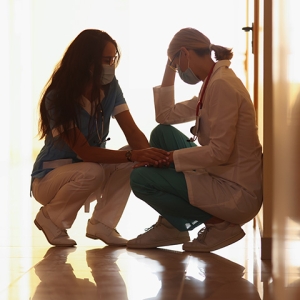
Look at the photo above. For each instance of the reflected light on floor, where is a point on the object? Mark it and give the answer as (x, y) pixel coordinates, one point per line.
(140, 275)
(193, 271)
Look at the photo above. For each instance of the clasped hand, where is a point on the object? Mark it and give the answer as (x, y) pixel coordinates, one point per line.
(151, 157)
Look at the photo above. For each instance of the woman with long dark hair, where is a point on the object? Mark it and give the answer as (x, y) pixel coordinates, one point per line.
(74, 166)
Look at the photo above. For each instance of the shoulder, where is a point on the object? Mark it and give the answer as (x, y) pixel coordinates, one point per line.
(114, 83)
(225, 77)
(114, 87)
(115, 92)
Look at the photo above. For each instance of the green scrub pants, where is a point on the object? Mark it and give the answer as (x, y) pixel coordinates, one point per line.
(164, 189)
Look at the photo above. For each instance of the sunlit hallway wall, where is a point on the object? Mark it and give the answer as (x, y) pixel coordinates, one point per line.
(286, 116)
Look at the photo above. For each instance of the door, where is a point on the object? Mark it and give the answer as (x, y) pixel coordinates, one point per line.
(259, 65)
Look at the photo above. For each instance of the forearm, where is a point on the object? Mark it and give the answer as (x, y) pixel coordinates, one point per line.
(167, 112)
(138, 140)
(151, 156)
(100, 155)
(169, 76)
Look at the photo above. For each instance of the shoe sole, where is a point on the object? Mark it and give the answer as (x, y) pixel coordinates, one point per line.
(94, 237)
(216, 247)
(161, 244)
(57, 245)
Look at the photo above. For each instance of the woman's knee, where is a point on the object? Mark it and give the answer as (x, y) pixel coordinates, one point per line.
(158, 135)
(169, 138)
(160, 130)
(92, 172)
(135, 176)
(141, 179)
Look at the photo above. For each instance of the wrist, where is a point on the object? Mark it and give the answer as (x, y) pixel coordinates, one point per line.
(171, 157)
(128, 155)
(172, 68)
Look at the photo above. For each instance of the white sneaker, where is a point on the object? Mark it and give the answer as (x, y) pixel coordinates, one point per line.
(215, 236)
(160, 234)
(109, 236)
(54, 235)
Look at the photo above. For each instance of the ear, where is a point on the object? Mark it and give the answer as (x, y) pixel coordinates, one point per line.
(184, 52)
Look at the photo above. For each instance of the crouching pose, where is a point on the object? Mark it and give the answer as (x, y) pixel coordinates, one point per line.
(74, 166)
(217, 183)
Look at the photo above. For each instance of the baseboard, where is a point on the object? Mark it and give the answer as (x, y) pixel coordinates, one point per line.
(265, 242)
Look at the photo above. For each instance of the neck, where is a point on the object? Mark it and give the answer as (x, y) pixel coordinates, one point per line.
(210, 66)
(205, 66)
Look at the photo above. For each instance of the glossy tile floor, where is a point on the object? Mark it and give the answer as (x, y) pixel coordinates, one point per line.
(32, 269)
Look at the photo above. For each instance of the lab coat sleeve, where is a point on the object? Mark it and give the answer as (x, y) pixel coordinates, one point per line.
(167, 112)
(222, 105)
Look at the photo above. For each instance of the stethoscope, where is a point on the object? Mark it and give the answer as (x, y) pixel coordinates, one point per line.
(102, 127)
(194, 129)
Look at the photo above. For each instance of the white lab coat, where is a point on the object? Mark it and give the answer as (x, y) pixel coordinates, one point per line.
(223, 174)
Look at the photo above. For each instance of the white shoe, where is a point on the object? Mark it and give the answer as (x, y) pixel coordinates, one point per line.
(109, 236)
(160, 234)
(215, 236)
(54, 235)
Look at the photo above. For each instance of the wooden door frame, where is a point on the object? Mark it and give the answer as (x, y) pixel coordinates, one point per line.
(263, 98)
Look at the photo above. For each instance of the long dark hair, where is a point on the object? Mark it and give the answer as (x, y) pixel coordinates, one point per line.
(70, 78)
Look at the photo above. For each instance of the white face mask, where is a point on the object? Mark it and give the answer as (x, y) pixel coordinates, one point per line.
(108, 74)
(188, 75)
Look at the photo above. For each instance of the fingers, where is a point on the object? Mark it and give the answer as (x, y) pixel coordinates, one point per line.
(141, 164)
(150, 157)
(147, 165)
(157, 150)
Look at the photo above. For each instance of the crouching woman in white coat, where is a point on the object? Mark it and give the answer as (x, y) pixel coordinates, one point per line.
(219, 181)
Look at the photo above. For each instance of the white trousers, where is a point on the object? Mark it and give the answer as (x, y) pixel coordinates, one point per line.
(64, 190)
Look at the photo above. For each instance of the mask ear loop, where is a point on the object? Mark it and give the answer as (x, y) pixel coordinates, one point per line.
(179, 60)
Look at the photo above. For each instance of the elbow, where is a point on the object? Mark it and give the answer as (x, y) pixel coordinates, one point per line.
(161, 119)
(161, 122)
(84, 156)
(221, 156)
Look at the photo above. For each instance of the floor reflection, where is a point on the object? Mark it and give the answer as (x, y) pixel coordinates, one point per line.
(197, 276)
(31, 269)
(57, 278)
(106, 272)
(119, 274)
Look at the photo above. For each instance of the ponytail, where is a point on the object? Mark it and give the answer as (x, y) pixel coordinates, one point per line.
(221, 53)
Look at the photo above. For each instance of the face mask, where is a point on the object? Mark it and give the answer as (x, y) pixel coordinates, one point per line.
(108, 74)
(188, 75)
